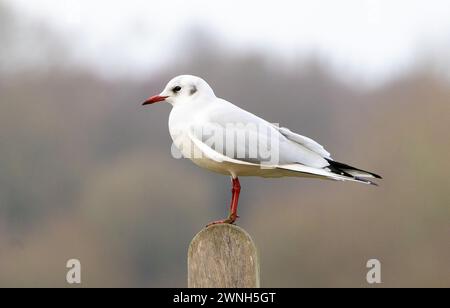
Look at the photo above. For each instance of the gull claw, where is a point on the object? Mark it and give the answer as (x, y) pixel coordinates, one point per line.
(230, 220)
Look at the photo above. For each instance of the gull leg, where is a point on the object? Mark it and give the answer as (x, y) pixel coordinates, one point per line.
(235, 191)
(234, 201)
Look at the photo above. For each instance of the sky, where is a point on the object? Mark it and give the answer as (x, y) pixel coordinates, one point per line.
(368, 38)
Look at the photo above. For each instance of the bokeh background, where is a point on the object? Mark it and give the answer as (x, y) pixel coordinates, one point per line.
(86, 172)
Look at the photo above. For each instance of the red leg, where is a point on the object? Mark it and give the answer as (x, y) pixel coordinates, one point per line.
(235, 199)
(235, 191)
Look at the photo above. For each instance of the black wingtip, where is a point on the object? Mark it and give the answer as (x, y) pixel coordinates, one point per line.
(339, 166)
(377, 176)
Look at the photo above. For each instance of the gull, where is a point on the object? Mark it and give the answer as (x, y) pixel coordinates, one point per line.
(218, 135)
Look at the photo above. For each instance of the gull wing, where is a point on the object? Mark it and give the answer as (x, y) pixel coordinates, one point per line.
(270, 170)
(291, 148)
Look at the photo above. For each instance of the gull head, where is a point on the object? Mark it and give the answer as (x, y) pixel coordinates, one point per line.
(182, 89)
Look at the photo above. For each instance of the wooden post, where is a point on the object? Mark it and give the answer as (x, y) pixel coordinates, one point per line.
(223, 256)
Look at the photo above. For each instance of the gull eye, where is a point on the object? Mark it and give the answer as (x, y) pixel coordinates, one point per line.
(176, 89)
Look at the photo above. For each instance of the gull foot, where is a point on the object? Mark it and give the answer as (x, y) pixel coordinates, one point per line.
(230, 220)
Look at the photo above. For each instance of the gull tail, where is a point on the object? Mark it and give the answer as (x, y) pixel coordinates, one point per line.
(352, 172)
(335, 171)
(337, 167)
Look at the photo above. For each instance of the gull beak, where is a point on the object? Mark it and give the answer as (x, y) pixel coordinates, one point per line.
(154, 99)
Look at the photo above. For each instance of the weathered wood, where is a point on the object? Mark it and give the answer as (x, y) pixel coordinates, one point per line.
(223, 256)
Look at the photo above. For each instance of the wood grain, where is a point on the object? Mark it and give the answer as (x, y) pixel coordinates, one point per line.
(223, 256)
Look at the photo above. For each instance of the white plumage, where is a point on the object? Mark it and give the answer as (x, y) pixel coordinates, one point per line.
(221, 137)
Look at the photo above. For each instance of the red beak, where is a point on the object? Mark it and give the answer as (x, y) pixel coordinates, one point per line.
(154, 99)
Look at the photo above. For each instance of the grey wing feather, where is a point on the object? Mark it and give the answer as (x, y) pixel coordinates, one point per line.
(304, 141)
(293, 148)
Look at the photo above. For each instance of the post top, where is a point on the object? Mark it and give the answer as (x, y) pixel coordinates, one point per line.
(223, 256)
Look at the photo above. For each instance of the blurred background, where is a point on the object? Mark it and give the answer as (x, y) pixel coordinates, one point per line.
(86, 172)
